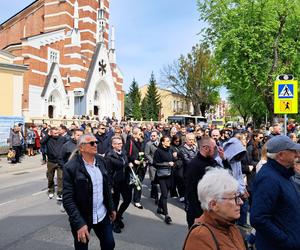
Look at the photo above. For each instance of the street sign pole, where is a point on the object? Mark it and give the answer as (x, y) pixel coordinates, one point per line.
(285, 97)
(285, 126)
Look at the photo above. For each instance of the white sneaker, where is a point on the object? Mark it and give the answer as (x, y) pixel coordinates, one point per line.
(50, 195)
(62, 209)
(181, 199)
(59, 197)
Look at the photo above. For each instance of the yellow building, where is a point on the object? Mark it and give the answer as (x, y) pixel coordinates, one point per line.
(171, 103)
(11, 85)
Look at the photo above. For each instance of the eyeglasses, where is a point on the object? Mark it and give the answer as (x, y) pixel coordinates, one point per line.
(177, 141)
(92, 143)
(237, 198)
(261, 137)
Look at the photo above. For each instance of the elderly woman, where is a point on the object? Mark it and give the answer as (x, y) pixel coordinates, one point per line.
(216, 229)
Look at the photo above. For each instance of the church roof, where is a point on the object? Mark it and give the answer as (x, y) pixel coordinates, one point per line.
(48, 79)
(19, 12)
(92, 66)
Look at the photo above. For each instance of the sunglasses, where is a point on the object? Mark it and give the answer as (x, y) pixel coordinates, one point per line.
(101, 128)
(92, 143)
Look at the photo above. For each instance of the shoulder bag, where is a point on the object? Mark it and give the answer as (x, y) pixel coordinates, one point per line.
(211, 232)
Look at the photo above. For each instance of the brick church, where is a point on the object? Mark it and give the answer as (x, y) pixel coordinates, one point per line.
(69, 47)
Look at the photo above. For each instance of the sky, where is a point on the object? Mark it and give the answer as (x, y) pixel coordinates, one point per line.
(150, 34)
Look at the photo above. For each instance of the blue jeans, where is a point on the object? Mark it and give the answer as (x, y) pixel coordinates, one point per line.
(103, 230)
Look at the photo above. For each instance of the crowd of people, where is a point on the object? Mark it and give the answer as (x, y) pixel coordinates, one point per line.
(221, 176)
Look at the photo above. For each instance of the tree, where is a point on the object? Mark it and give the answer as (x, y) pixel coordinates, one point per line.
(135, 99)
(254, 41)
(151, 102)
(128, 106)
(194, 76)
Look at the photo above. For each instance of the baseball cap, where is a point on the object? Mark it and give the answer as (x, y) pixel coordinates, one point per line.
(281, 142)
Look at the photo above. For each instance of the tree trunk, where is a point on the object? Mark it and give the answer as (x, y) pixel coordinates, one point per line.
(196, 109)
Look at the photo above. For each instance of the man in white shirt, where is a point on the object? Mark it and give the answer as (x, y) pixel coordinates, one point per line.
(87, 195)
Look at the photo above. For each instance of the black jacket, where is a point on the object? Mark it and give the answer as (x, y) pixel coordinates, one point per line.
(78, 191)
(54, 146)
(67, 150)
(195, 171)
(117, 166)
(133, 148)
(104, 142)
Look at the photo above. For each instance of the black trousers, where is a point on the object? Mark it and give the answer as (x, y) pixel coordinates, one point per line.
(165, 184)
(124, 189)
(18, 150)
(137, 194)
(103, 230)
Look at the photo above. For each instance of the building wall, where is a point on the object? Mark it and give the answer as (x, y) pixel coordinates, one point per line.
(6, 93)
(171, 103)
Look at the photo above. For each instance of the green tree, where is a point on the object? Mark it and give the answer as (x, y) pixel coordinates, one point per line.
(151, 102)
(254, 41)
(194, 76)
(128, 106)
(135, 99)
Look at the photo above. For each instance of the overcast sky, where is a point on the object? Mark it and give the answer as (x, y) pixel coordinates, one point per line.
(149, 33)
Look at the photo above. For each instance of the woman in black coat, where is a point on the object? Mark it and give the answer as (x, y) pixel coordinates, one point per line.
(163, 161)
(178, 169)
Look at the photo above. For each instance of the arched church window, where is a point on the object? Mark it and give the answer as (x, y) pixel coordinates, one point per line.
(51, 98)
(96, 96)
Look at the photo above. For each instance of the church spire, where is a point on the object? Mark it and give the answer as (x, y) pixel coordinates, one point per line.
(101, 22)
(76, 15)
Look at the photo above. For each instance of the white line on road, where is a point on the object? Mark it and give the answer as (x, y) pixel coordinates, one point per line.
(41, 192)
(7, 202)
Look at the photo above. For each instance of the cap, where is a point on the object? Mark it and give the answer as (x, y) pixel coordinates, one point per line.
(281, 142)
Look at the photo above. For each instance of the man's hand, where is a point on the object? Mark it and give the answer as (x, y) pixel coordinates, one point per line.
(113, 216)
(221, 153)
(171, 164)
(83, 234)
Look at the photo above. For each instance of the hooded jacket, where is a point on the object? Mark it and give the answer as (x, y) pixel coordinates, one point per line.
(234, 152)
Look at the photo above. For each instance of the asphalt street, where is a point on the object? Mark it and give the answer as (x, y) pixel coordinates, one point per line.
(29, 220)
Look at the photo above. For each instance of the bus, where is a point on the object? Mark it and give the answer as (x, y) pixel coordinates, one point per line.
(187, 119)
(219, 123)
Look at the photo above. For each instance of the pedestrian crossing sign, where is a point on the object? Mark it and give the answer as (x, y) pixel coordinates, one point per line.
(286, 97)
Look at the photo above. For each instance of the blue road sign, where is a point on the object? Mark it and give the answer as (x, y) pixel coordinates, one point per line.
(285, 91)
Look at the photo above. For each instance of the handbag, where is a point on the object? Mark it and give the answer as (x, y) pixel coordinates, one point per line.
(163, 172)
(11, 154)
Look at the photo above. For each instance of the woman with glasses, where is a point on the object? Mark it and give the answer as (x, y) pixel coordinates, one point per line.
(163, 161)
(221, 202)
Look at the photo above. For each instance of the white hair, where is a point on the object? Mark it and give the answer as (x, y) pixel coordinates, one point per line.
(272, 155)
(214, 184)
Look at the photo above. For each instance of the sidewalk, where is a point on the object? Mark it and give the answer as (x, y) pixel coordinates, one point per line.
(26, 163)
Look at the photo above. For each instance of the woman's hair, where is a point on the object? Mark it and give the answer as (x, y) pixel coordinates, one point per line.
(175, 138)
(264, 152)
(214, 184)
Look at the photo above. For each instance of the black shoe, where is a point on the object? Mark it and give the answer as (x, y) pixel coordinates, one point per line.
(168, 219)
(121, 224)
(138, 205)
(116, 228)
(160, 210)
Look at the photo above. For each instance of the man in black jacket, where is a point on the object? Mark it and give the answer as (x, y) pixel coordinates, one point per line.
(117, 166)
(195, 171)
(54, 143)
(70, 146)
(87, 195)
(104, 139)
